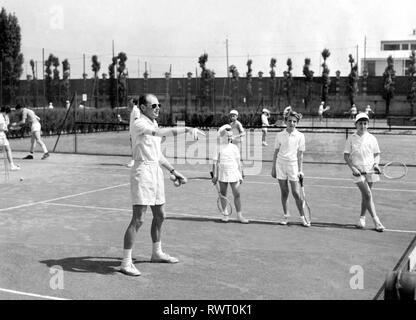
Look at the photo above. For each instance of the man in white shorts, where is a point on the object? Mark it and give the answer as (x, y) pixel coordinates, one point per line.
(4, 142)
(35, 129)
(264, 124)
(287, 164)
(147, 180)
(362, 154)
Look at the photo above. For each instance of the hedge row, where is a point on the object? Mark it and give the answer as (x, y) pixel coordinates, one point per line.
(58, 120)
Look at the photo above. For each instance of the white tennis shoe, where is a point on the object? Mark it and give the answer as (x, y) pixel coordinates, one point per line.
(361, 223)
(305, 222)
(130, 164)
(379, 225)
(164, 258)
(241, 218)
(130, 270)
(14, 167)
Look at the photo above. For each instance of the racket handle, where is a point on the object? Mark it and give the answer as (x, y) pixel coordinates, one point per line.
(301, 181)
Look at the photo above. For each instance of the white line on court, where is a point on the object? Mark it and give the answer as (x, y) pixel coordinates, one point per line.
(31, 294)
(64, 197)
(193, 215)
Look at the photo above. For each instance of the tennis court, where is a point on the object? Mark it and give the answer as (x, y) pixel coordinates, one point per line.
(70, 213)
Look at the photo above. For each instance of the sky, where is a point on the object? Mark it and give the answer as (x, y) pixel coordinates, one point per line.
(165, 35)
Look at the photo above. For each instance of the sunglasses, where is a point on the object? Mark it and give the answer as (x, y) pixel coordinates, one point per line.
(155, 105)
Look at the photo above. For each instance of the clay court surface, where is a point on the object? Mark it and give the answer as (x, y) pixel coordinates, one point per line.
(71, 211)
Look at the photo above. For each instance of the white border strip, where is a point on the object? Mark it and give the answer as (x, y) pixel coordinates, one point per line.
(32, 294)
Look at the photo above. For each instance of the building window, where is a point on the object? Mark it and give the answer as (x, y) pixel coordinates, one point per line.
(391, 47)
(413, 46)
(371, 67)
(406, 68)
(405, 46)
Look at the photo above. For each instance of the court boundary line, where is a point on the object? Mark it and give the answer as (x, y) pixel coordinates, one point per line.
(213, 218)
(61, 198)
(32, 294)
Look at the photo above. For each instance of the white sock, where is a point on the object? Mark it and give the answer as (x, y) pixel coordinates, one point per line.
(157, 247)
(127, 256)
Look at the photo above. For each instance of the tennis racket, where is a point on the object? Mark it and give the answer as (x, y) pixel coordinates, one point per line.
(223, 204)
(392, 170)
(305, 204)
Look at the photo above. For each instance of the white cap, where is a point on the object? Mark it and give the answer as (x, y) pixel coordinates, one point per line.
(234, 112)
(224, 128)
(362, 115)
(266, 110)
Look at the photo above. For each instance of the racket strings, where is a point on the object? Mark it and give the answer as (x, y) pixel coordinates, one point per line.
(395, 170)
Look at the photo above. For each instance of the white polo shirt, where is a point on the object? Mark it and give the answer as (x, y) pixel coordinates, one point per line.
(264, 120)
(362, 148)
(289, 144)
(29, 115)
(146, 146)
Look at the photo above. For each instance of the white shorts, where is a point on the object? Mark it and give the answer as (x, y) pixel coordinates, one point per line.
(228, 173)
(3, 140)
(364, 177)
(287, 170)
(147, 184)
(35, 127)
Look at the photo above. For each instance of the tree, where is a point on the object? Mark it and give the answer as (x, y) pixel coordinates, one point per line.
(48, 78)
(112, 88)
(308, 81)
(272, 72)
(388, 83)
(249, 87)
(234, 80)
(288, 81)
(11, 58)
(95, 67)
(411, 97)
(352, 87)
(122, 78)
(326, 81)
(207, 79)
(66, 73)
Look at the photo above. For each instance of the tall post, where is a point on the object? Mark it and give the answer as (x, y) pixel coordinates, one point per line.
(228, 72)
(365, 53)
(357, 59)
(1, 81)
(44, 88)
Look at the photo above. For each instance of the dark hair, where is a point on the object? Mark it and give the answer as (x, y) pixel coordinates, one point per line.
(5, 109)
(295, 114)
(135, 101)
(19, 106)
(143, 99)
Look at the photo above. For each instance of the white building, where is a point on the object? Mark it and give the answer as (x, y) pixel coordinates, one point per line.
(400, 51)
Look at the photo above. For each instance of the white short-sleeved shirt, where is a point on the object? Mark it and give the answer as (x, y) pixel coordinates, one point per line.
(264, 120)
(353, 110)
(229, 153)
(3, 129)
(362, 148)
(4, 122)
(237, 129)
(289, 144)
(321, 109)
(134, 115)
(146, 146)
(30, 116)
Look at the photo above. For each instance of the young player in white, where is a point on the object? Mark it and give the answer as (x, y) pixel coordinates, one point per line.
(35, 129)
(362, 154)
(227, 169)
(264, 124)
(288, 162)
(4, 142)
